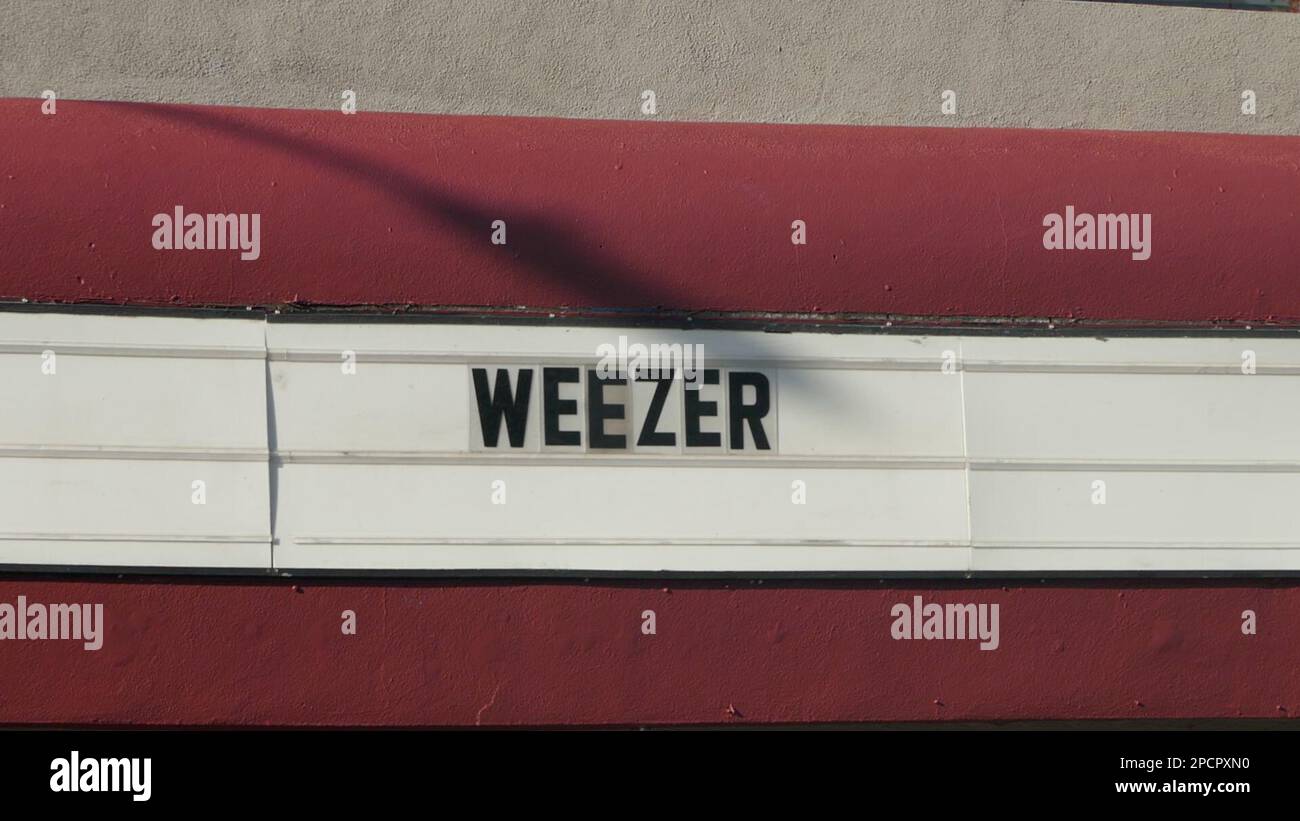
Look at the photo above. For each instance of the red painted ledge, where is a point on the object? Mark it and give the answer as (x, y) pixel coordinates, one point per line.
(186, 652)
(396, 209)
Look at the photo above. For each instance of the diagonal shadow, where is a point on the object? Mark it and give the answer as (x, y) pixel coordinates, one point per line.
(549, 248)
(543, 245)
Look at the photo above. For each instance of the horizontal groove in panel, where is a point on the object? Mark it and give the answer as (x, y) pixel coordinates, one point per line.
(599, 460)
(113, 453)
(432, 541)
(147, 351)
(137, 537)
(1172, 368)
(1074, 544)
(924, 365)
(563, 358)
(418, 541)
(299, 457)
(1036, 465)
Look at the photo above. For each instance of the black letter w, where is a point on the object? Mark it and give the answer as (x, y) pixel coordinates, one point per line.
(514, 408)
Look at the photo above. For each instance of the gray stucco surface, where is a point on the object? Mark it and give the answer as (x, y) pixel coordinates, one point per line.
(1036, 63)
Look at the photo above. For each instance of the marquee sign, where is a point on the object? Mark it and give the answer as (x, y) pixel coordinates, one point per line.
(241, 444)
(624, 412)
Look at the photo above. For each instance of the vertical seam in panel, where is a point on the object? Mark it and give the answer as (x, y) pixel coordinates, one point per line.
(965, 455)
(271, 444)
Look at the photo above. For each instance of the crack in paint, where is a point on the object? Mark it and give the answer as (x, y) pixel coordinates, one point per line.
(478, 717)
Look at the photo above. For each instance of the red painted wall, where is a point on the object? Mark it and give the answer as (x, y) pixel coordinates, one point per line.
(391, 208)
(193, 652)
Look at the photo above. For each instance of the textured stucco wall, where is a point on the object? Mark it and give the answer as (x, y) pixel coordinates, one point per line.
(1037, 63)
